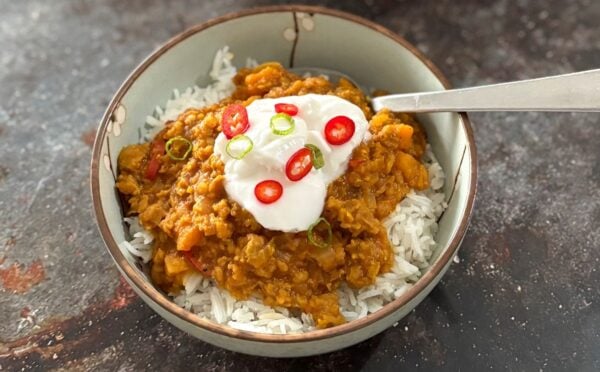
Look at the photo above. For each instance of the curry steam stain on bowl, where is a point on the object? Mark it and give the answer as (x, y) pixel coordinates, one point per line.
(321, 40)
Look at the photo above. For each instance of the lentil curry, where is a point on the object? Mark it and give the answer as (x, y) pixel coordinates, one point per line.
(179, 196)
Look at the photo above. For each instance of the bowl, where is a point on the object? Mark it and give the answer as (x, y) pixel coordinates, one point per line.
(296, 36)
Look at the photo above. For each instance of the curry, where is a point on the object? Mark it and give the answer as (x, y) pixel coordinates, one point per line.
(179, 196)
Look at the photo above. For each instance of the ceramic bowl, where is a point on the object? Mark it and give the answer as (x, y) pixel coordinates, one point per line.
(296, 36)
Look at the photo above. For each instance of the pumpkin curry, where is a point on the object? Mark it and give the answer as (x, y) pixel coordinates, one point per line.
(176, 185)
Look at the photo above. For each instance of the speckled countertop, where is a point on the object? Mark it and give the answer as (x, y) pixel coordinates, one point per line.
(525, 294)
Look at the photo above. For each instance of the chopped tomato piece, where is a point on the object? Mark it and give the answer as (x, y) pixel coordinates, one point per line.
(234, 120)
(158, 147)
(268, 191)
(339, 130)
(196, 263)
(157, 150)
(299, 164)
(152, 170)
(286, 108)
(354, 163)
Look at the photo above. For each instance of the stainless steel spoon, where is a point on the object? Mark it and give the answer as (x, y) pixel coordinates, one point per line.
(579, 91)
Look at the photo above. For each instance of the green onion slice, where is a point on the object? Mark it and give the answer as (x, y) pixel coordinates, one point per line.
(316, 241)
(172, 141)
(317, 156)
(239, 146)
(282, 124)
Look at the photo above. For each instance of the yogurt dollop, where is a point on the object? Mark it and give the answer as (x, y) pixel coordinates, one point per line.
(302, 201)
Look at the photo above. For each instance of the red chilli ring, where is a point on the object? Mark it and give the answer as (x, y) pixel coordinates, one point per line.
(268, 191)
(339, 130)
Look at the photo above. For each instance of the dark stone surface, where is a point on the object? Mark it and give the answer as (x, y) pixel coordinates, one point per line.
(524, 296)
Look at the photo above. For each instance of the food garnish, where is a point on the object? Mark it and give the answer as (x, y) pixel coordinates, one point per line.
(239, 146)
(316, 156)
(282, 124)
(299, 164)
(172, 141)
(268, 191)
(339, 130)
(234, 120)
(286, 108)
(316, 240)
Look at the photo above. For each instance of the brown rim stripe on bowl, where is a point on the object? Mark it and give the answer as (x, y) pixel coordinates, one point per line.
(159, 299)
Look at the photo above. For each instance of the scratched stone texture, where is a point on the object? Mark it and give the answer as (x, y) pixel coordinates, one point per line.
(525, 294)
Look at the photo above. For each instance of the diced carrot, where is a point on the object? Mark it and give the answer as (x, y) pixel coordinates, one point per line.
(175, 264)
(188, 238)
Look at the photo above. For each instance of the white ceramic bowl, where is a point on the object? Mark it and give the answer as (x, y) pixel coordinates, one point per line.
(295, 36)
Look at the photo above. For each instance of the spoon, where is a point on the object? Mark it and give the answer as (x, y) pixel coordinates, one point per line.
(579, 91)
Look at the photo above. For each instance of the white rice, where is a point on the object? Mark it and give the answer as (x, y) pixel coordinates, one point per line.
(411, 228)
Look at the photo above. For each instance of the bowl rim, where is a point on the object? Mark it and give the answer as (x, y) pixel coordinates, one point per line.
(151, 293)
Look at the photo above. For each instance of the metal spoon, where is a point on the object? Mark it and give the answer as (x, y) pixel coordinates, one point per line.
(579, 91)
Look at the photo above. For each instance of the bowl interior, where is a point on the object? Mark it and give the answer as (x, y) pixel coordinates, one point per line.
(372, 56)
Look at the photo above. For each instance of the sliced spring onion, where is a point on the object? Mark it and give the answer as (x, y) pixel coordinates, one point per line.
(317, 156)
(172, 141)
(282, 124)
(318, 242)
(239, 146)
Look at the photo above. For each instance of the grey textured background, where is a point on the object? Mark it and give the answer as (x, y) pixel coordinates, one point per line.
(524, 296)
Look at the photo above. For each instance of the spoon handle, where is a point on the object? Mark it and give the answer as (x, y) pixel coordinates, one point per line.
(578, 91)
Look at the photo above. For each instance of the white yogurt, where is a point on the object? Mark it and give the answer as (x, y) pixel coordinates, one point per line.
(302, 201)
